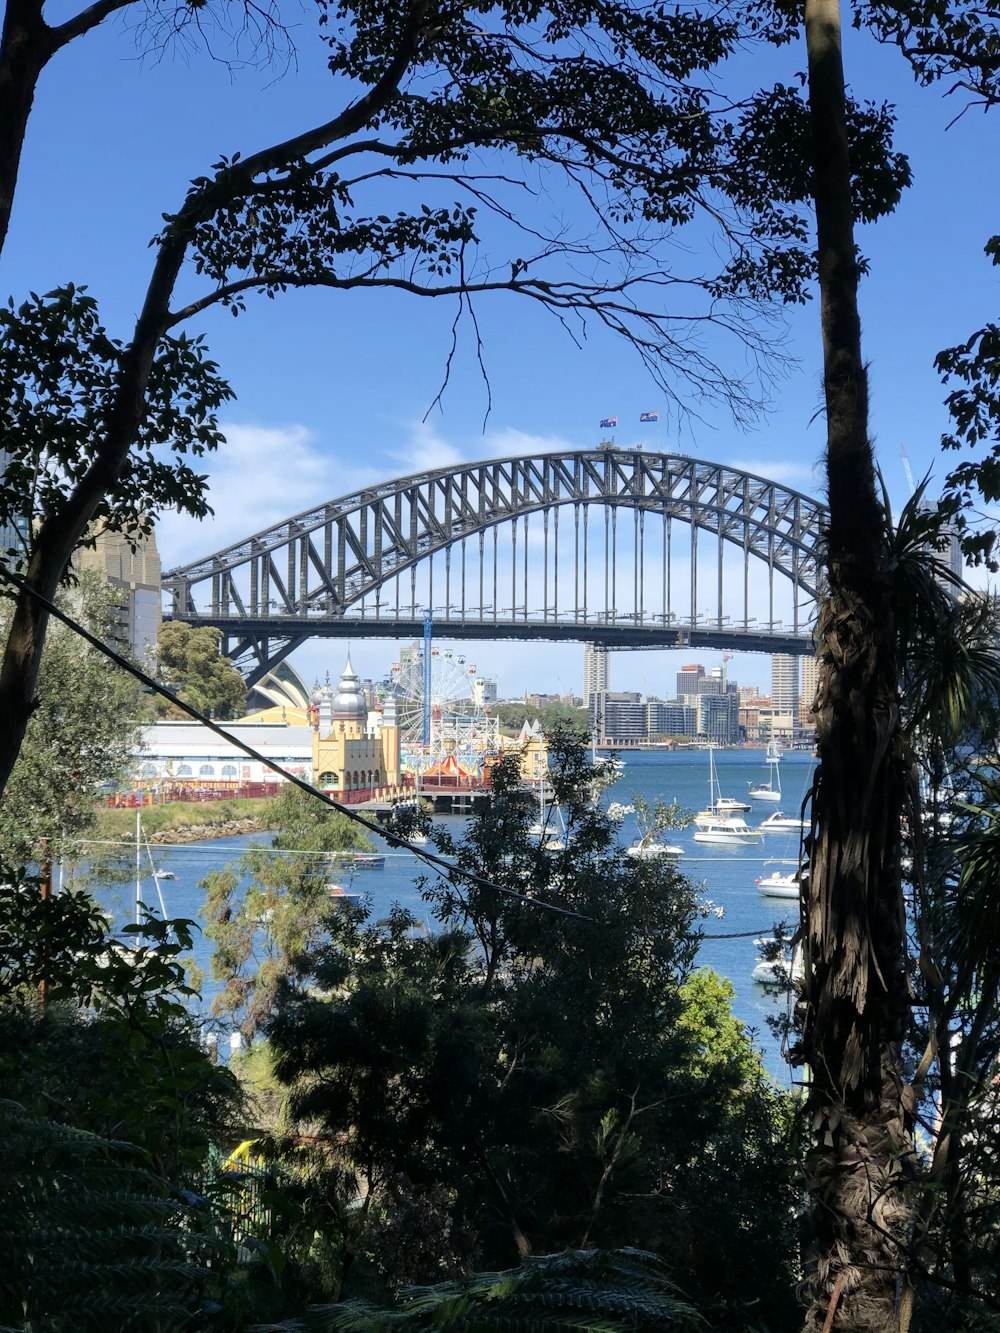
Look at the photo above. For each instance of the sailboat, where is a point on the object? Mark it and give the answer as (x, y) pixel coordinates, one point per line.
(771, 789)
(718, 805)
(157, 875)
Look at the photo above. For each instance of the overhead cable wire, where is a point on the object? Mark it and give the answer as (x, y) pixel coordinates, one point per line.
(435, 862)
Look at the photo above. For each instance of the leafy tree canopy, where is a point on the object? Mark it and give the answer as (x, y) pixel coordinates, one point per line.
(82, 735)
(189, 660)
(261, 933)
(527, 1079)
(556, 714)
(448, 131)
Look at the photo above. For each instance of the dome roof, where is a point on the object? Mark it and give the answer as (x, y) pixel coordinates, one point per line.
(349, 702)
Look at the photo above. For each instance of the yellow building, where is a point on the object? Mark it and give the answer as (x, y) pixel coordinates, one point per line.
(349, 755)
(534, 752)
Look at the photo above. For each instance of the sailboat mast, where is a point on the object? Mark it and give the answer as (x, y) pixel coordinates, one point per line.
(138, 863)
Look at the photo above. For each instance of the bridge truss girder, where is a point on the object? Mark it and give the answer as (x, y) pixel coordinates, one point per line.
(305, 576)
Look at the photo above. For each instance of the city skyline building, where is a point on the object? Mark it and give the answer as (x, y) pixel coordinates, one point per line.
(596, 671)
(131, 565)
(810, 678)
(785, 675)
(618, 716)
(719, 717)
(689, 679)
(13, 535)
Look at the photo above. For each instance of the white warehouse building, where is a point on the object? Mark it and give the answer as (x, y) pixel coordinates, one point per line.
(186, 755)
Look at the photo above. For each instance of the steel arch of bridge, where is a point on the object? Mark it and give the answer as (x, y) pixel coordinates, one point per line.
(321, 572)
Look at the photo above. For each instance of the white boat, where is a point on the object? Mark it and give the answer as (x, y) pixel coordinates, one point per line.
(771, 789)
(729, 805)
(779, 822)
(773, 966)
(650, 848)
(550, 826)
(609, 767)
(416, 838)
(781, 884)
(341, 896)
(727, 829)
(719, 806)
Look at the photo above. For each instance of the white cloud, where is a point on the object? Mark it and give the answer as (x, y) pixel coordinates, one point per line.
(800, 476)
(259, 476)
(262, 475)
(425, 447)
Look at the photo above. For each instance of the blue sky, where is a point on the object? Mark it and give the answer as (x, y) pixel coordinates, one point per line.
(332, 390)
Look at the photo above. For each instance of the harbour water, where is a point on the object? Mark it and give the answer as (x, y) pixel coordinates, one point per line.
(727, 874)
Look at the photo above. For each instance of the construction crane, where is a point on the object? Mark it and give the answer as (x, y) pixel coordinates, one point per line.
(907, 469)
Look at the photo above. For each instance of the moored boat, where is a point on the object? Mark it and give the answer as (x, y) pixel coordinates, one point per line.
(781, 883)
(771, 789)
(650, 848)
(779, 822)
(774, 967)
(719, 806)
(725, 830)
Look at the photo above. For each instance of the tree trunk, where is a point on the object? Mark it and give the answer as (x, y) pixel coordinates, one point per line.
(26, 45)
(855, 991)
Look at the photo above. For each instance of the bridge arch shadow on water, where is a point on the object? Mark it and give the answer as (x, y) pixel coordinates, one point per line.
(620, 547)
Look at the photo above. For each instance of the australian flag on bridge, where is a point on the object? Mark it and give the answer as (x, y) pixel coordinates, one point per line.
(610, 423)
(649, 416)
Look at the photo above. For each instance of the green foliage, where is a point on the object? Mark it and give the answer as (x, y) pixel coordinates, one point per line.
(190, 661)
(91, 1238)
(82, 734)
(538, 1079)
(112, 1050)
(554, 715)
(46, 938)
(60, 372)
(653, 817)
(261, 936)
(600, 1291)
(958, 41)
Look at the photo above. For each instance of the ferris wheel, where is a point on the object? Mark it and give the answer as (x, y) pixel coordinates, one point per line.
(450, 703)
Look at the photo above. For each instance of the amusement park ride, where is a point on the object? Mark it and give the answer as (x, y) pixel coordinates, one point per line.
(441, 715)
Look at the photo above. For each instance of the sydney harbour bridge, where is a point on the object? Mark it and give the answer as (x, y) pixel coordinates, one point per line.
(620, 547)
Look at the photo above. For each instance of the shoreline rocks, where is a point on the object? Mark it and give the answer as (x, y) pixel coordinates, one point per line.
(230, 828)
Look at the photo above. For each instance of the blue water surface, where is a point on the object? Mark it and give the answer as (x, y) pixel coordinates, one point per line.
(727, 874)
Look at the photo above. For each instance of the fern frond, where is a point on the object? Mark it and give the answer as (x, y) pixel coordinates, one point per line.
(590, 1291)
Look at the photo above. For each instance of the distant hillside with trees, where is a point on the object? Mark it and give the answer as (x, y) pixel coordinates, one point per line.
(553, 716)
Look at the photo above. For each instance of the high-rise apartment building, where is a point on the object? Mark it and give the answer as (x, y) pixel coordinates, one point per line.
(596, 671)
(689, 680)
(620, 716)
(13, 534)
(671, 719)
(136, 573)
(719, 717)
(810, 676)
(785, 683)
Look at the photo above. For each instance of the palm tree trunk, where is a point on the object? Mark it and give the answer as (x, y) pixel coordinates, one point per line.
(855, 996)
